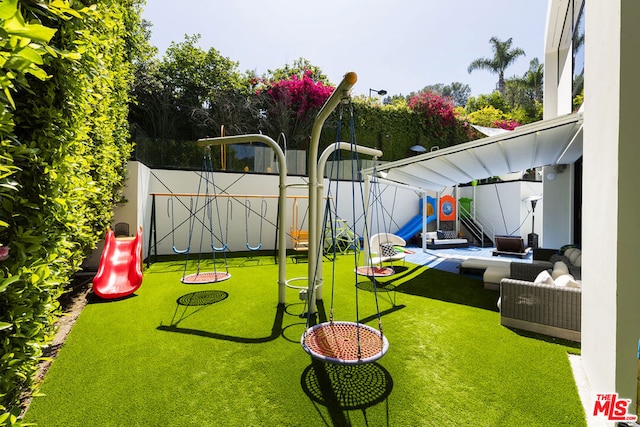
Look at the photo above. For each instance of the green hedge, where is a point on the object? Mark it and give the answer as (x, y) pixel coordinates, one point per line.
(394, 129)
(65, 78)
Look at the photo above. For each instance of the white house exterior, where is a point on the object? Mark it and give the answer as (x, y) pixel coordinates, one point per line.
(607, 222)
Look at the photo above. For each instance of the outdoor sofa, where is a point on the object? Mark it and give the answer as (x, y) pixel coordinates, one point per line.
(546, 306)
(445, 240)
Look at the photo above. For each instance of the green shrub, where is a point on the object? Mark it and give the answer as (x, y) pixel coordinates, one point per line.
(65, 78)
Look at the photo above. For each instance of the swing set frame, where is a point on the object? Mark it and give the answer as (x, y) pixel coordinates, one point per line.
(345, 343)
(353, 331)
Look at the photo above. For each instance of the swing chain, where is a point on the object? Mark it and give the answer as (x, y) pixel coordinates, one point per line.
(263, 213)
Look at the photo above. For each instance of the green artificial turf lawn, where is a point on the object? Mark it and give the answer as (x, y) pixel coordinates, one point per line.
(236, 360)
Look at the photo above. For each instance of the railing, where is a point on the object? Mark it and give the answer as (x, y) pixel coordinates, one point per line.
(479, 227)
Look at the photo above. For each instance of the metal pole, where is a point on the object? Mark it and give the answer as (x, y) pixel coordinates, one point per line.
(424, 212)
(282, 199)
(152, 231)
(315, 191)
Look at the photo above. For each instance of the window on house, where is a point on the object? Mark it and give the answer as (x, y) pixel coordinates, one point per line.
(577, 94)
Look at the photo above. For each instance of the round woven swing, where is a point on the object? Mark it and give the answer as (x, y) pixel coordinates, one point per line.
(375, 271)
(209, 209)
(202, 277)
(344, 343)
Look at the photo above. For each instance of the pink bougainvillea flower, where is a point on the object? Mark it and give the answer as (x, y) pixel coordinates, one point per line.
(4, 252)
(506, 124)
(437, 109)
(300, 95)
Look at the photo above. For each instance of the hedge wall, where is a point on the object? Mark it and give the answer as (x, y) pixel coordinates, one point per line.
(394, 129)
(65, 75)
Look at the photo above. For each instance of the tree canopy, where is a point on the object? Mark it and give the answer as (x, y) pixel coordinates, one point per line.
(503, 56)
(456, 91)
(191, 93)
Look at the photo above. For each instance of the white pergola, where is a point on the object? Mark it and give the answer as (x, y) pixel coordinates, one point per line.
(547, 142)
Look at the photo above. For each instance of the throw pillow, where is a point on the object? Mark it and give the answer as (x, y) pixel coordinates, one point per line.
(559, 265)
(568, 252)
(565, 247)
(574, 256)
(544, 278)
(387, 250)
(559, 268)
(578, 261)
(450, 234)
(440, 234)
(567, 280)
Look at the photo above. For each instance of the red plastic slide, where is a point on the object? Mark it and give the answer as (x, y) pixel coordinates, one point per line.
(120, 270)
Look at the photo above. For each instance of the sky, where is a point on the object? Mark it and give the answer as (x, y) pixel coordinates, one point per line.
(400, 46)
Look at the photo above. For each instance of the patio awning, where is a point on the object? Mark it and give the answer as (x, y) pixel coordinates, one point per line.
(543, 143)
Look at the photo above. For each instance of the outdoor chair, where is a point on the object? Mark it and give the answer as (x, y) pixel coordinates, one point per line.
(386, 247)
(510, 246)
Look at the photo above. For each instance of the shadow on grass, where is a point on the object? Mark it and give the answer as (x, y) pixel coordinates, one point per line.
(95, 299)
(385, 287)
(276, 330)
(383, 293)
(566, 343)
(203, 299)
(321, 315)
(342, 388)
(200, 299)
(450, 287)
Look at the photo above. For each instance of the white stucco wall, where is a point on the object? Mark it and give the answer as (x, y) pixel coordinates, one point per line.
(132, 212)
(502, 205)
(628, 285)
(610, 228)
(395, 207)
(611, 294)
(599, 257)
(558, 207)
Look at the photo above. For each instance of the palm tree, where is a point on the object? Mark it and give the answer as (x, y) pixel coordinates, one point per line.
(503, 56)
(533, 79)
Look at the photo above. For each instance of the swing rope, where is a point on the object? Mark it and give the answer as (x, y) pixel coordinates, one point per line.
(329, 232)
(346, 343)
(210, 191)
(332, 221)
(378, 214)
(354, 169)
(171, 214)
(263, 214)
(207, 217)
